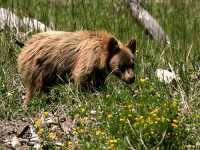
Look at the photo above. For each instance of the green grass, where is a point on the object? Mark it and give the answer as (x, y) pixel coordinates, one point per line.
(137, 116)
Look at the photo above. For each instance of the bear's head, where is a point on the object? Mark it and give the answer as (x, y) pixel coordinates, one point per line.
(122, 60)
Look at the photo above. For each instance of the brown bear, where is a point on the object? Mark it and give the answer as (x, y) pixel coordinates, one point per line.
(84, 57)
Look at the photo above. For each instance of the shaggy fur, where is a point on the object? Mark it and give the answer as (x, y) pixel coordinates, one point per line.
(82, 56)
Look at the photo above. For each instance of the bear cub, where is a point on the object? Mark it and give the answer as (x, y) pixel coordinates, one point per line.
(84, 57)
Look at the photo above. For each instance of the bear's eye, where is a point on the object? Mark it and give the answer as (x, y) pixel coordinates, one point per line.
(132, 66)
(123, 67)
(116, 48)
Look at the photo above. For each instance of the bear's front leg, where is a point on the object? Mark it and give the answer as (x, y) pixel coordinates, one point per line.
(81, 79)
(99, 79)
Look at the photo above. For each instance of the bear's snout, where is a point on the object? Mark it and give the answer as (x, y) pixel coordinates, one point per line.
(130, 80)
(128, 76)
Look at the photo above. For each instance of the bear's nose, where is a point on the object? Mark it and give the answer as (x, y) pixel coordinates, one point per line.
(131, 80)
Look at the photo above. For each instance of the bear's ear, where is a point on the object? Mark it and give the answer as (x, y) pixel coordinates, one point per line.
(113, 46)
(132, 45)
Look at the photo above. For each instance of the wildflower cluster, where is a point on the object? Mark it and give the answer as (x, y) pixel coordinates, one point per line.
(149, 114)
(112, 144)
(41, 124)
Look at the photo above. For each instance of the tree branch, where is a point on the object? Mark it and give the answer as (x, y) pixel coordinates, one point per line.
(148, 22)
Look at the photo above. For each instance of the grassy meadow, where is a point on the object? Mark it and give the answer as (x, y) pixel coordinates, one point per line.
(148, 114)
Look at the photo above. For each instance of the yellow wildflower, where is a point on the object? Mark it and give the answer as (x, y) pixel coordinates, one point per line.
(75, 132)
(81, 130)
(174, 125)
(98, 132)
(40, 131)
(158, 148)
(175, 121)
(157, 94)
(52, 135)
(140, 119)
(156, 110)
(112, 143)
(38, 122)
(130, 115)
(82, 109)
(46, 113)
(174, 103)
(111, 147)
(130, 108)
(153, 115)
(122, 119)
(145, 125)
(69, 145)
(143, 81)
(107, 96)
(109, 116)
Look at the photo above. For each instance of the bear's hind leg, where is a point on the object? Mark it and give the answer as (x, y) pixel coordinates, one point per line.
(28, 96)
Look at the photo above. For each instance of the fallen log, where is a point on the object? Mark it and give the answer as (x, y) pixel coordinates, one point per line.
(12, 21)
(9, 20)
(148, 22)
